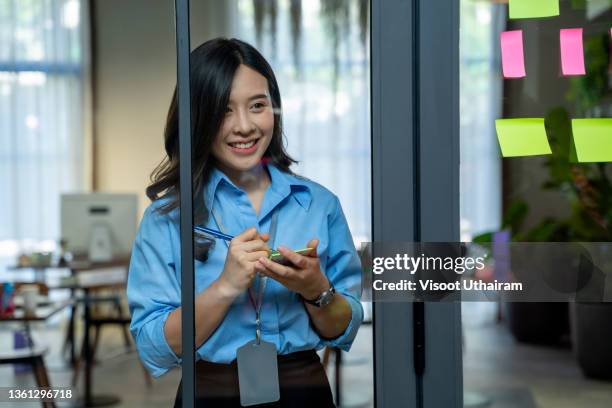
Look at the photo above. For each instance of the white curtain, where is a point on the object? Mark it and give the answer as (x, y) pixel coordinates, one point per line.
(327, 130)
(41, 118)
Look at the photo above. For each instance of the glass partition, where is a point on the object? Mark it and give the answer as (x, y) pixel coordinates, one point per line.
(317, 90)
(533, 63)
(89, 234)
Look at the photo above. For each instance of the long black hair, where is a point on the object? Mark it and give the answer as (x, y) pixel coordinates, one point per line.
(212, 69)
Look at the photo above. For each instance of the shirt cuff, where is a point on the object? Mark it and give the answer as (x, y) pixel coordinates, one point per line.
(345, 340)
(153, 348)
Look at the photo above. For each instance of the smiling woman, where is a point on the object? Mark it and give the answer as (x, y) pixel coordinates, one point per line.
(248, 124)
(253, 316)
(246, 133)
(234, 99)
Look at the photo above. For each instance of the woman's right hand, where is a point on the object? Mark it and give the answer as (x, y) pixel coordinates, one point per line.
(240, 264)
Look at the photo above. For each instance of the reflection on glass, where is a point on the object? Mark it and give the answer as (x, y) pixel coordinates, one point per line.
(536, 354)
(320, 56)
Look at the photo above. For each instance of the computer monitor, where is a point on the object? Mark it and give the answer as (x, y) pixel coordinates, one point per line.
(99, 226)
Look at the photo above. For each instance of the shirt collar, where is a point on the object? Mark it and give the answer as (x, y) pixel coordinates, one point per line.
(283, 185)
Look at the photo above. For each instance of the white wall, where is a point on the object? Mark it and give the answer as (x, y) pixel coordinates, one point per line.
(134, 77)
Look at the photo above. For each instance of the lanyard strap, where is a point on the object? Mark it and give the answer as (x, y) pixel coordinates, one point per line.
(261, 281)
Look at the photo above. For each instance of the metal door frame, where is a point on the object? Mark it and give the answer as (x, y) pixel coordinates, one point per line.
(415, 191)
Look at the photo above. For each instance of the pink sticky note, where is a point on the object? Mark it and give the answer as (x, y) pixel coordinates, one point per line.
(572, 52)
(513, 57)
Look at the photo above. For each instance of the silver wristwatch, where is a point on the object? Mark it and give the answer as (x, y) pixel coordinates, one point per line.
(324, 298)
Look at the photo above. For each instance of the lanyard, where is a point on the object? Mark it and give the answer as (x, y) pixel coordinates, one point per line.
(261, 281)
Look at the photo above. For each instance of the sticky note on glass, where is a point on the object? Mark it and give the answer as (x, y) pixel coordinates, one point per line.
(513, 56)
(592, 140)
(572, 52)
(533, 8)
(522, 137)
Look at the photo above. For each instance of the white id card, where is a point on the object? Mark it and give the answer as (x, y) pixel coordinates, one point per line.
(257, 373)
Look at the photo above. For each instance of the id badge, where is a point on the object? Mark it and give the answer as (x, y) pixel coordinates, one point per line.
(257, 373)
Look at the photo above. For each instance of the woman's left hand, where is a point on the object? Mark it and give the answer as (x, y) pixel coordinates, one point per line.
(304, 276)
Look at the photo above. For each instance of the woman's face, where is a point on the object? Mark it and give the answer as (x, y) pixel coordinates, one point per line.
(248, 125)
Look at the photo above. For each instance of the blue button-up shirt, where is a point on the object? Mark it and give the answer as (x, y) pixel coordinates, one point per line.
(306, 210)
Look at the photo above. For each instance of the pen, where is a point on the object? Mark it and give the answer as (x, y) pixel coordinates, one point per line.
(219, 234)
(214, 233)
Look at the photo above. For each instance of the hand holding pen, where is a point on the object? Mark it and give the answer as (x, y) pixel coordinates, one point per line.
(241, 264)
(273, 255)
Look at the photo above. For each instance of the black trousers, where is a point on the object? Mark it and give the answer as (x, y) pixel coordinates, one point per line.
(302, 380)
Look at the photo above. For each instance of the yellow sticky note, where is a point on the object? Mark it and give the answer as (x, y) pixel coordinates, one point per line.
(592, 140)
(522, 137)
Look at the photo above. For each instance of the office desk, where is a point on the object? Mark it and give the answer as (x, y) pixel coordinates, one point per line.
(32, 354)
(86, 277)
(42, 312)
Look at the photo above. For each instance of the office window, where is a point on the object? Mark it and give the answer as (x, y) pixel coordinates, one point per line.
(319, 51)
(41, 118)
(480, 105)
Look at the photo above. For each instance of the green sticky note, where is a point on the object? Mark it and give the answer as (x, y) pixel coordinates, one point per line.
(592, 140)
(533, 8)
(573, 157)
(522, 137)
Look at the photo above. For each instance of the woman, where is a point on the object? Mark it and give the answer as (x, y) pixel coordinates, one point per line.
(244, 301)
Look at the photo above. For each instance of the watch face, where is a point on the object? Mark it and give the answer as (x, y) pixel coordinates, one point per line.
(327, 300)
(327, 297)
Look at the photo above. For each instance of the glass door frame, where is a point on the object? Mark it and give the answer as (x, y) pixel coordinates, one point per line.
(415, 192)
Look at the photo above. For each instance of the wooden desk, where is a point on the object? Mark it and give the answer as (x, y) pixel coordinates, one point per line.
(42, 312)
(87, 277)
(33, 354)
